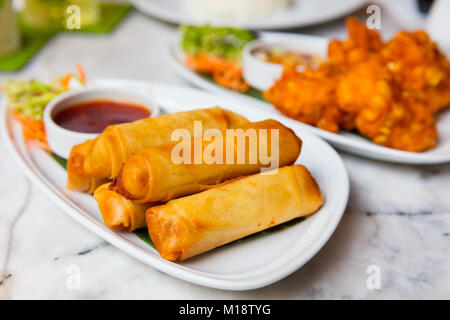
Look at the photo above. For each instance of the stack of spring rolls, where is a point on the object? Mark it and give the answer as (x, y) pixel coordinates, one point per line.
(190, 206)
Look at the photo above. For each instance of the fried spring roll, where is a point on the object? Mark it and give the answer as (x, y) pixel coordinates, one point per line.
(118, 212)
(118, 142)
(77, 178)
(188, 226)
(152, 175)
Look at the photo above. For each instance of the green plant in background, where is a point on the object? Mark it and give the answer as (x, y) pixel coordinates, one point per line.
(90, 11)
(52, 14)
(42, 14)
(9, 35)
(34, 37)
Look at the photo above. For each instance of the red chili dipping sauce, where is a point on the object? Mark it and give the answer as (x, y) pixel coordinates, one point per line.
(95, 116)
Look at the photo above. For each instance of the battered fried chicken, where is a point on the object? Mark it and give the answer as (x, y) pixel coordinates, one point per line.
(422, 70)
(361, 44)
(388, 92)
(307, 96)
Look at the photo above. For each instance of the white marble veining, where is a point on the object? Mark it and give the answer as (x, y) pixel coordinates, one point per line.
(398, 217)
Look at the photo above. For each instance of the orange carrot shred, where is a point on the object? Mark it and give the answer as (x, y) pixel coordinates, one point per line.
(32, 129)
(81, 73)
(65, 80)
(225, 72)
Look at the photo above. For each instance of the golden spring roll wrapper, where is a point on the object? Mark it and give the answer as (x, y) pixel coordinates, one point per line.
(235, 120)
(77, 178)
(118, 212)
(118, 142)
(151, 175)
(189, 226)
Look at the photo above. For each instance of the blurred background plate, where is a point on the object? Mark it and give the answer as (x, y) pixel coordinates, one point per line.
(300, 13)
(345, 141)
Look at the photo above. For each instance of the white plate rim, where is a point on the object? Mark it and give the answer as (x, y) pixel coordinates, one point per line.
(361, 148)
(151, 7)
(173, 269)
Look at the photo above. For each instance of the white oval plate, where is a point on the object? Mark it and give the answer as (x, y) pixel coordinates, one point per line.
(301, 13)
(262, 260)
(344, 141)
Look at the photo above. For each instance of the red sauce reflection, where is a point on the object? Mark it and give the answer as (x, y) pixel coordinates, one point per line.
(95, 116)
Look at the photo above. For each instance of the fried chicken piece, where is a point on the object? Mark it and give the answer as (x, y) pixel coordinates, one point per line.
(414, 60)
(388, 92)
(369, 91)
(330, 118)
(366, 85)
(403, 127)
(307, 96)
(361, 44)
(365, 91)
(408, 127)
(419, 67)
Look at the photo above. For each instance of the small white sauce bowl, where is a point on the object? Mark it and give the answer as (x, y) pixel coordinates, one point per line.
(262, 75)
(62, 140)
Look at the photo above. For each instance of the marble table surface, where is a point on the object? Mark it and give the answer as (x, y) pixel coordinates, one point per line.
(397, 219)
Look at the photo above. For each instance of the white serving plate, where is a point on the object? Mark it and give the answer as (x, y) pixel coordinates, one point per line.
(301, 13)
(262, 260)
(344, 141)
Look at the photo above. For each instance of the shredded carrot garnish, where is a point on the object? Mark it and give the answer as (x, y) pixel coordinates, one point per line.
(81, 72)
(65, 81)
(27, 100)
(32, 129)
(227, 73)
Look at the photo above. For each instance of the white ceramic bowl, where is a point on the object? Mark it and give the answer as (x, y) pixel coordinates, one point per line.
(62, 140)
(262, 75)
